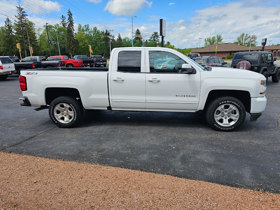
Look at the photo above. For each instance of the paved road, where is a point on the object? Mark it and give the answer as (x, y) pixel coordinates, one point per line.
(179, 144)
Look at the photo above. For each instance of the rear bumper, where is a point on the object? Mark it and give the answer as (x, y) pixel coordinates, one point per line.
(25, 101)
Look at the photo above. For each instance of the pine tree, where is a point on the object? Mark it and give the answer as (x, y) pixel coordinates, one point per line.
(9, 38)
(20, 28)
(63, 21)
(71, 42)
(138, 37)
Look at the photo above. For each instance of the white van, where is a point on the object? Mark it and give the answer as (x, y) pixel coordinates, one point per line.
(6, 67)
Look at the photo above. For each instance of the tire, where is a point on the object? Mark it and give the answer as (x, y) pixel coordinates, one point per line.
(65, 112)
(265, 73)
(276, 76)
(225, 113)
(70, 66)
(244, 65)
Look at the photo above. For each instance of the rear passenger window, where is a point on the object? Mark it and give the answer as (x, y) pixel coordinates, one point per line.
(6, 60)
(129, 61)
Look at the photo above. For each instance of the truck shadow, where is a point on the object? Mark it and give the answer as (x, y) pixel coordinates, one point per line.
(143, 118)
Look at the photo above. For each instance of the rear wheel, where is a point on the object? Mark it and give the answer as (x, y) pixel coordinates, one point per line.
(276, 76)
(225, 113)
(70, 65)
(65, 112)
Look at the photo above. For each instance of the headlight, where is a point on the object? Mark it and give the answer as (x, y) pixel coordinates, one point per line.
(263, 82)
(262, 87)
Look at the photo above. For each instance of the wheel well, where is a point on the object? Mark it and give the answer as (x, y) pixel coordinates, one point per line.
(243, 96)
(52, 93)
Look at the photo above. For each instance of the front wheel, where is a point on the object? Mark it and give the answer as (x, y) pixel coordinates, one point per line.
(65, 112)
(276, 76)
(225, 113)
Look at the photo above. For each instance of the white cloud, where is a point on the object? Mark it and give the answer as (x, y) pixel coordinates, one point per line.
(229, 20)
(41, 6)
(95, 1)
(8, 9)
(171, 3)
(126, 7)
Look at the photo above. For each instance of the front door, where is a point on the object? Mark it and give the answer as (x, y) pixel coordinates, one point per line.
(167, 88)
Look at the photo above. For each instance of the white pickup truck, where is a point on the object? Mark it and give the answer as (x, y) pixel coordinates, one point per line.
(147, 79)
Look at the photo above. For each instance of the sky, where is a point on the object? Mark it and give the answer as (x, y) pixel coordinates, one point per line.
(188, 22)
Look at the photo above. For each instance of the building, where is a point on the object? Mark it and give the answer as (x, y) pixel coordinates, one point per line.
(224, 50)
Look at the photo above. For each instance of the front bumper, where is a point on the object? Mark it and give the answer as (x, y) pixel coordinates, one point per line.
(258, 104)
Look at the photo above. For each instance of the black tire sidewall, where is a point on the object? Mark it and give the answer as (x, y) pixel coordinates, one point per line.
(276, 76)
(220, 101)
(75, 106)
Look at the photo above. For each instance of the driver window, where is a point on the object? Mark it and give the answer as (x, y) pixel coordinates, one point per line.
(165, 62)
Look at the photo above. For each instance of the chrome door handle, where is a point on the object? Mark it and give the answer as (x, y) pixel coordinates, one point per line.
(154, 80)
(118, 79)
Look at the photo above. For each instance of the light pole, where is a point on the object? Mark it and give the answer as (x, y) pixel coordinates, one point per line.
(132, 30)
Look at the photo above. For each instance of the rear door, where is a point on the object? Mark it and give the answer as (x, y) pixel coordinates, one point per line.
(127, 81)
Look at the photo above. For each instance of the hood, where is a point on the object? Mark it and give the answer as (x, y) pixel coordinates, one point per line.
(235, 73)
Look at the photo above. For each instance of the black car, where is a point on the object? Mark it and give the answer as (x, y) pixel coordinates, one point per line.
(258, 61)
(211, 61)
(14, 58)
(193, 55)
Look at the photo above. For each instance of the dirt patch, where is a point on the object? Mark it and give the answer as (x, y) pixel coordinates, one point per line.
(28, 182)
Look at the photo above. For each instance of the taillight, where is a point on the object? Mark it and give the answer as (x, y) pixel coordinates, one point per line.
(33, 66)
(22, 83)
(58, 64)
(1, 67)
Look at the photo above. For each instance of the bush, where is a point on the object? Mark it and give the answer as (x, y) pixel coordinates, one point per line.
(229, 57)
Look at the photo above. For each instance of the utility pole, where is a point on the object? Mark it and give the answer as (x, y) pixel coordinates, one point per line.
(132, 30)
(48, 39)
(58, 44)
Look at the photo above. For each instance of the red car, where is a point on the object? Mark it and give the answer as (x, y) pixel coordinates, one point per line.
(67, 62)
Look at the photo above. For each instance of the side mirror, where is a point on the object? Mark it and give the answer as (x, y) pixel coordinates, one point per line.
(187, 69)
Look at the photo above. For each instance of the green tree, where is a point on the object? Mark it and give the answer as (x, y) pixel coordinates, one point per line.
(119, 41)
(107, 37)
(71, 41)
(2, 40)
(138, 38)
(213, 40)
(9, 38)
(154, 40)
(82, 43)
(20, 28)
(246, 40)
(126, 42)
(63, 21)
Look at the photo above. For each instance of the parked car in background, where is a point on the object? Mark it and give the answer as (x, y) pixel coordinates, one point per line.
(67, 62)
(260, 61)
(98, 60)
(41, 62)
(6, 67)
(86, 60)
(14, 58)
(211, 61)
(193, 55)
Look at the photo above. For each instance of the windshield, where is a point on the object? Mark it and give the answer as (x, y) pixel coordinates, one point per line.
(194, 63)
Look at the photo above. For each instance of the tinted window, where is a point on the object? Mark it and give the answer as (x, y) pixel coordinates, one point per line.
(129, 61)
(5, 60)
(164, 62)
(54, 58)
(26, 59)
